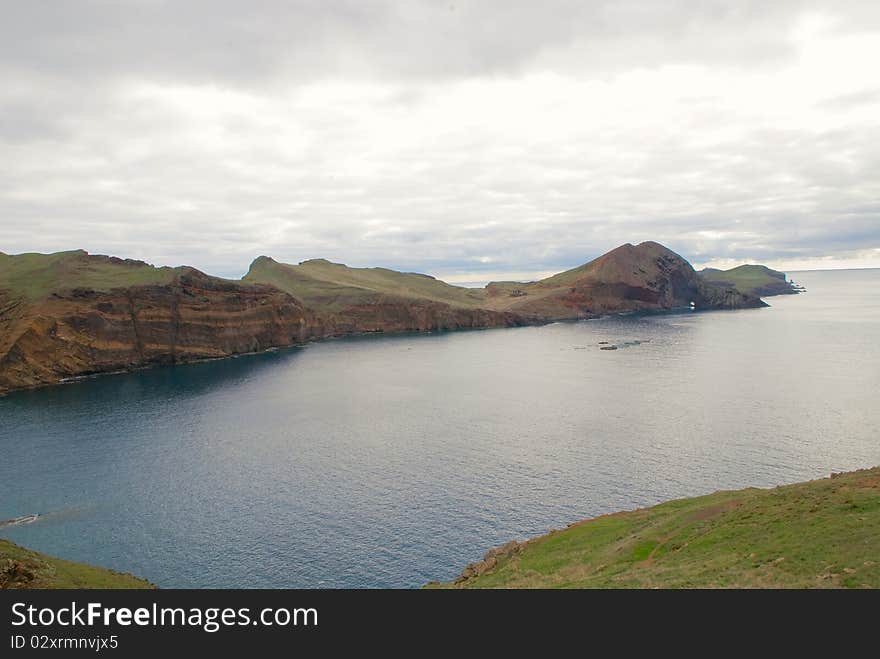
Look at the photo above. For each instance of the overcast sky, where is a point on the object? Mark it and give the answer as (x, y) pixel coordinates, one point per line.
(473, 140)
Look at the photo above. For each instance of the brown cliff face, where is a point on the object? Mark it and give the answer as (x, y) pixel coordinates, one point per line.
(401, 315)
(82, 331)
(381, 300)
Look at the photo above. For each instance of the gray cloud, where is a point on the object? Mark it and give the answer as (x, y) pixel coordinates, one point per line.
(459, 138)
(227, 40)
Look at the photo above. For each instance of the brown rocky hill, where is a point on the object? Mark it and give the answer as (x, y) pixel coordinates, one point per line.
(643, 277)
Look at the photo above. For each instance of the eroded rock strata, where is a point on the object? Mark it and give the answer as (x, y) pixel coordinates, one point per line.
(81, 331)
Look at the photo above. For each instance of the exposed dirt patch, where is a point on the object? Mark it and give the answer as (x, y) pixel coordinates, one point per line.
(869, 482)
(621, 513)
(713, 511)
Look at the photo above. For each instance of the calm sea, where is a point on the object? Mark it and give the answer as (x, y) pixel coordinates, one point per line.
(374, 462)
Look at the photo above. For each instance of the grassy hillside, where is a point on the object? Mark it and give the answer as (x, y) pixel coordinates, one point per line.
(818, 534)
(334, 286)
(33, 276)
(755, 279)
(23, 568)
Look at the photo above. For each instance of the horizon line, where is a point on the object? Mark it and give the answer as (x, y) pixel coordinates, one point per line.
(462, 278)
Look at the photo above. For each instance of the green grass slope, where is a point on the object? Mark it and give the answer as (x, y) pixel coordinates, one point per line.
(333, 286)
(818, 534)
(34, 276)
(754, 279)
(23, 568)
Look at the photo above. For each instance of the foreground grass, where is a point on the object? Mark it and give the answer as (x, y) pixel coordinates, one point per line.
(819, 534)
(23, 568)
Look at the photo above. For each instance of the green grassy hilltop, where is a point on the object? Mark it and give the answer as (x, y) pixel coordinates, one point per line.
(818, 534)
(755, 279)
(23, 568)
(34, 276)
(334, 287)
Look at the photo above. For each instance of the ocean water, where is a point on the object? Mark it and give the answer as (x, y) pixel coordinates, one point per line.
(392, 461)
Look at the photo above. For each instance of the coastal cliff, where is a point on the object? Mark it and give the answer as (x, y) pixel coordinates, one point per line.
(71, 314)
(181, 316)
(382, 300)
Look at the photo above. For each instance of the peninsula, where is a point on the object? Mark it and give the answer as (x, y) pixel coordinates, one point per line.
(72, 314)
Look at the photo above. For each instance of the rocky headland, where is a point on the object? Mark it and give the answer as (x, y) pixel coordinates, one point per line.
(754, 279)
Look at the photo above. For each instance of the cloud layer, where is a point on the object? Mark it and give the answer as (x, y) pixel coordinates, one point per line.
(474, 140)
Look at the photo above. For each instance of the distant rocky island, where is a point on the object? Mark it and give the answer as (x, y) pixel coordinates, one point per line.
(72, 314)
(756, 279)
